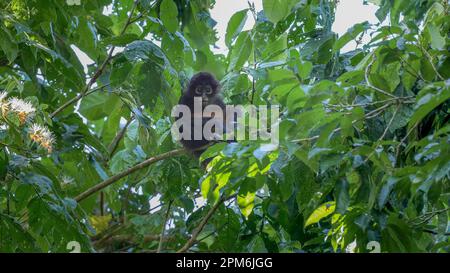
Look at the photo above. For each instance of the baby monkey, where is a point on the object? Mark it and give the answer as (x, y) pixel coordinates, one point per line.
(202, 86)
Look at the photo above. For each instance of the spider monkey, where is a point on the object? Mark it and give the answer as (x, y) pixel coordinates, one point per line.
(205, 86)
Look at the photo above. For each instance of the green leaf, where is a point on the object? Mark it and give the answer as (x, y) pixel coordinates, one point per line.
(42, 183)
(241, 51)
(235, 26)
(246, 197)
(427, 103)
(169, 14)
(97, 105)
(87, 38)
(342, 196)
(385, 191)
(351, 78)
(321, 212)
(3, 163)
(151, 84)
(19, 239)
(121, 70)
(276, 10)
(304, 69)
(437, 40)
(351, 34)
(122, 40)
(8, 45)
(144, 50)
(274, 51)
(212, 151)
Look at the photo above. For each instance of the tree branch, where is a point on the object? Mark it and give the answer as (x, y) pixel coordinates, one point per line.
(97, 73)
(75, 99)
(435, 232)
(203, 223)
(129, 239)
(118, 176)
(105, 183)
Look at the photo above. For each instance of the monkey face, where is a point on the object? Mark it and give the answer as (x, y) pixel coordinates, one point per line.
(205, 92)
(203, 85)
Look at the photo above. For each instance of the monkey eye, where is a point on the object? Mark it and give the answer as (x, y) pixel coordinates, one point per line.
(198, 90)
(208, 90)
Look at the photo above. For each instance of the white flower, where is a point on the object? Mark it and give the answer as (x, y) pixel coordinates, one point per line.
(23, 108)
(73, 2)
(66, 180)
(36, 128)
(42, 136)
(18, 105)
(3, 96)
(48, 141)
(35, 132)
(4, 105)
(47, 134)
(351, 247)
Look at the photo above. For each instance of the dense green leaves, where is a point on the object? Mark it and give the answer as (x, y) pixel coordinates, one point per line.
(276, 10)
(429, 101)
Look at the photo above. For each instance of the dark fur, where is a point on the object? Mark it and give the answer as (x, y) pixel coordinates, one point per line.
(200, 79)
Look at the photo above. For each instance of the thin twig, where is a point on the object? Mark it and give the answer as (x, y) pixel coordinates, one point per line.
(164, 227)
(389, 124)
(405, 100)
(403, 61)
(152, 209)
(435, 232)
(115, 142)
(430, 59)
(212, 233)
(75, 99)
(97, 73)
(414, 73)
(384, 133)
(369, 115)
(120, 226)
(202, 224)
(252, 9)
(102, 203)
(366, 76)
(129, 239)
(397, 153)
(427, 217)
